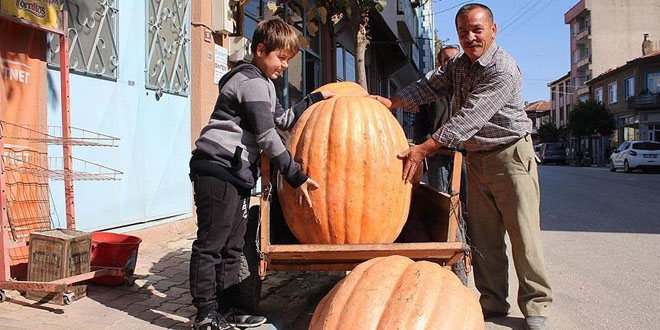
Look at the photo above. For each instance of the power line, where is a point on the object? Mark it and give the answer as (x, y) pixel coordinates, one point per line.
(518, 15)
(525, 20)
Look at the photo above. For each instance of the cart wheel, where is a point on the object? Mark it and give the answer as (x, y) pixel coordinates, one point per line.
(68, 298)
(130, 281)
(3, 296)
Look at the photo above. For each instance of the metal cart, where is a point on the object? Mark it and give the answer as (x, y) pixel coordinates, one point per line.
(429, 234)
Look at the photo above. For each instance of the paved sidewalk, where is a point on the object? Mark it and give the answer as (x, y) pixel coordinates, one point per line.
(160, 298)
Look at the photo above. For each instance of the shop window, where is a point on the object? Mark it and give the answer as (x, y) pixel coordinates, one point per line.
(168, 46)
(253, 13)
(304, 72)
(345, 65)
(92, 36)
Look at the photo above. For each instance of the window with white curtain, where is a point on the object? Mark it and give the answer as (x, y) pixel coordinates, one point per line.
(653, 82)
(629, 87)
(611, 93)
(599, 94)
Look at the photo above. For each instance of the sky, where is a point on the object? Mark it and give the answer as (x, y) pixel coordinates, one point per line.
(532, 31)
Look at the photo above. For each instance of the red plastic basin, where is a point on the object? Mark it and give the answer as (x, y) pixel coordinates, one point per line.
(116, 251)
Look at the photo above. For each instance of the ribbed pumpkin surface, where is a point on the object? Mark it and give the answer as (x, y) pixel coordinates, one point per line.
(396, 293)
(343, 88)
(348, 144)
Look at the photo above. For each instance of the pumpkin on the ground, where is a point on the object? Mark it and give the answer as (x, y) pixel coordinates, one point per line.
(396, 293)
(348, 144)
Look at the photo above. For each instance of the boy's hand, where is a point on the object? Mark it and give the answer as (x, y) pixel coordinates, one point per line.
(305, 188)
(383, 100)
(327, 94)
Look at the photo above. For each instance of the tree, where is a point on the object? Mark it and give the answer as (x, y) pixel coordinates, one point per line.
(590, 118)
(548, 132)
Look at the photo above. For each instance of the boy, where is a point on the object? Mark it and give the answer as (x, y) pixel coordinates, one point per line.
(224, 167)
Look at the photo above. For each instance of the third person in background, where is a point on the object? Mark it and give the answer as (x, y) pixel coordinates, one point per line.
(428, 119)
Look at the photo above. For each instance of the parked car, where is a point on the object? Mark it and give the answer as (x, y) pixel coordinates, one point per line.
(632, 155)
(553, 152)
(537, 151)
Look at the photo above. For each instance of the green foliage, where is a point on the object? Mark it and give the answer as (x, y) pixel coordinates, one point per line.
(548, 132)
(590, 118)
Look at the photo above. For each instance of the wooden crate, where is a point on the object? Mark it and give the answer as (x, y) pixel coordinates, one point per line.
(56, 254)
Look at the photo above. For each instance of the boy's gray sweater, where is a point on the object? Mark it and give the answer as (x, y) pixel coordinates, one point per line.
(243, 122)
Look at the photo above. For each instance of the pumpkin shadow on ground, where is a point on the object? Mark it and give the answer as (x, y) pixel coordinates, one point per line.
(288, 299)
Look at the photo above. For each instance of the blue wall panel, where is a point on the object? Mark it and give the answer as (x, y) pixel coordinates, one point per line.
(154, 146)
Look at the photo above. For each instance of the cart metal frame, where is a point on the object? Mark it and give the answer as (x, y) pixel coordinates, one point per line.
(442, 249)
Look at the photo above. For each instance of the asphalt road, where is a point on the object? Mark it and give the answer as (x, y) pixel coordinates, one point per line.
(601, 237)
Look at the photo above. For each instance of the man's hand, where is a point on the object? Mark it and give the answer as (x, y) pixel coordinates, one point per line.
(383, 100)
(413, 157)
(304, 191)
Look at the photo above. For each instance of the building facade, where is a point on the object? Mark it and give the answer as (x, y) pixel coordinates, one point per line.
(605, 34)
(400, 47)
(631, 93)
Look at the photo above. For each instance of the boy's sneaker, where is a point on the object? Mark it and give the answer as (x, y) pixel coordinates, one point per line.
(213, 321)
(239, 318)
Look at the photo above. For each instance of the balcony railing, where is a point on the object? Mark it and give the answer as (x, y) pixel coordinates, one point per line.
(644, 101)
(583, 61)
(583, 34)
(582, 90)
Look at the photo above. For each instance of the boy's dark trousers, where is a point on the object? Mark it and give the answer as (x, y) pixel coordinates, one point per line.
(215, 259)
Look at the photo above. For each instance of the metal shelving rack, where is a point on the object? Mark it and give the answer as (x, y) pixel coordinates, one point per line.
(64, 168)
(78, 136)
(55, 167)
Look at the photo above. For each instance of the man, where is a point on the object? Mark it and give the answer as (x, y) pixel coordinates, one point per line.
(429, 118)
(491, 124)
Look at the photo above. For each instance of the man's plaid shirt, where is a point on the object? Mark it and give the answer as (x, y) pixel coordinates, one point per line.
(487, 95)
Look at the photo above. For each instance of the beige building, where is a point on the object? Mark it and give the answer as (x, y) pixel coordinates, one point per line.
(605, 34)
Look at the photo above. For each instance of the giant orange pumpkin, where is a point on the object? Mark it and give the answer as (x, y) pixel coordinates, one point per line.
(396, 293)
(344, 88)
(348, 144)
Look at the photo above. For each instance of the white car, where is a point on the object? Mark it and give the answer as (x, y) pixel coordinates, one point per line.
(632, 155)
